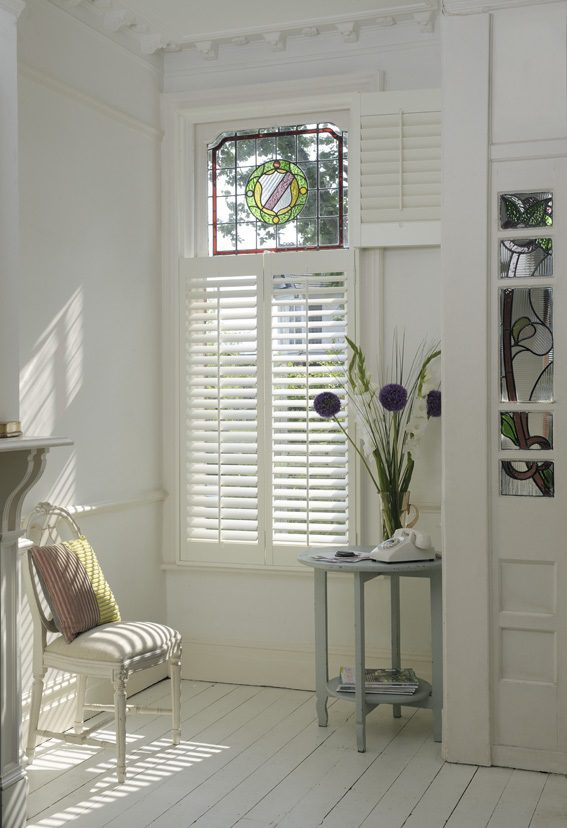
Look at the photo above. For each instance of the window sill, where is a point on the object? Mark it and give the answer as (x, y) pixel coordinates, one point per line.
(183, 566)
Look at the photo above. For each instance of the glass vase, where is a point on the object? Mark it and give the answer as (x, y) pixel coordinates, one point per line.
(397, 512)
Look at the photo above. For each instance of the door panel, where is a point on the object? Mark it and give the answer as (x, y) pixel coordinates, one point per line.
(529, 548)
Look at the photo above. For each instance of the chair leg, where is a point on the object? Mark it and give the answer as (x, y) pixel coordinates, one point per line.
(80, 703)
(175, 667)
(120, 719)
(35, 708)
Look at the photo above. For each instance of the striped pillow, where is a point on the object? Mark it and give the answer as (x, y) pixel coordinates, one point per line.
(74, 587)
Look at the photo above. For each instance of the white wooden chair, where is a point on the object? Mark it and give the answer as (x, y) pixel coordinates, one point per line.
(112, 651)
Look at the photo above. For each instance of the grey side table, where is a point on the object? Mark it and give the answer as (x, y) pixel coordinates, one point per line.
(427, 695)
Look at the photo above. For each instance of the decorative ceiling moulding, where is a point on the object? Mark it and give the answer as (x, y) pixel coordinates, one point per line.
(463, 7)
(348, 26)
(310, 57)
(15, 7)
(117, 17)
(119, 24)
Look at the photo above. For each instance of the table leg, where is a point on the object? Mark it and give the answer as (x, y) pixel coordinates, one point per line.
(321, 646)
(395, 631)
(359, 665)
(436, 654)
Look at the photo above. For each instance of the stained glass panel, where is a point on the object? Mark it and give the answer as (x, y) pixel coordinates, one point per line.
(520, 430)
(526, 210)
(526, 344)
(527, 479)
(290, 178)
(524, 258)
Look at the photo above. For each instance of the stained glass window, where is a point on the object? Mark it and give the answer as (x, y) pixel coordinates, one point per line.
(526, 344)
(529, 479)
(526, 210)
(278, 189)
(520, 430)
(524, 258)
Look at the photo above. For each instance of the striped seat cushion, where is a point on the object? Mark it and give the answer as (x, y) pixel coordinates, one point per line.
(74, 586)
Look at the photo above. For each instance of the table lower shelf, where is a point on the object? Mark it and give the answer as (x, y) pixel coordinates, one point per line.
(420, 698)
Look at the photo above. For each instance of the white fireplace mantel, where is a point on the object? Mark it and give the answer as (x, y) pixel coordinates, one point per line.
(22, 461)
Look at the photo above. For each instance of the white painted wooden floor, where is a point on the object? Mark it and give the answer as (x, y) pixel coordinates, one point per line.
(254, 757)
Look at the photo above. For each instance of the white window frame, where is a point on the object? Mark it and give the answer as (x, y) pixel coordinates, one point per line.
(265, 553)
(184, 164)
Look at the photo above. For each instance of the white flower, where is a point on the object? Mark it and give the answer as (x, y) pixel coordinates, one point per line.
(417, 423)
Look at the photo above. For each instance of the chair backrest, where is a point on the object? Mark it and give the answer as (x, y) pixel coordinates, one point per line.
(47, 525)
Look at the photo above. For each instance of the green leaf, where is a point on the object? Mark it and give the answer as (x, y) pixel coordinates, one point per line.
(514, 208)
(545, 244)
(508, 428)
(426, 362)
(518, 327)
(547, 475)
(535, 214)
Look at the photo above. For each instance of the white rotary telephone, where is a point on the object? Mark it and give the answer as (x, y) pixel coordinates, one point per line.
(406, 545)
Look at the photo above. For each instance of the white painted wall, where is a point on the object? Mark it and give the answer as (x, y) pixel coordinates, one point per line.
(90, 333)
(257, 627)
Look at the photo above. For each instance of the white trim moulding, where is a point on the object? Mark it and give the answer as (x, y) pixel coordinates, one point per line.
(138, 33)
(464, 7)
(30, 73)
(97, 508)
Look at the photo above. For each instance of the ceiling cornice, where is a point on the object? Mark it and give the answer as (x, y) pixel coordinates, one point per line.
(14, 7)
(117, 17)
(463, 7)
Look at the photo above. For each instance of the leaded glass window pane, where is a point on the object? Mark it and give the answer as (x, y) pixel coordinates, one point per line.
(528, 479)
(526, 344)
(278, 189)
(526, 210)
(520, 430)
(524, 258)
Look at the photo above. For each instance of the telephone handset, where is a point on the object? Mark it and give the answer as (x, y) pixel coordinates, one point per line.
(405, 545)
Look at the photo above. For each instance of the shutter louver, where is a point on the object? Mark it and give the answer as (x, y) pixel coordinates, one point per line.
(309, 454)
(395, 153)
(221, 406)
(400, 163)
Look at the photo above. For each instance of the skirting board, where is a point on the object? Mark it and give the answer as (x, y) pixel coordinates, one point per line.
(550, 761)
(268, 666)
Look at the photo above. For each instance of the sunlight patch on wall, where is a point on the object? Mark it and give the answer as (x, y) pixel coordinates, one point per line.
(64, 490)
(52, 378)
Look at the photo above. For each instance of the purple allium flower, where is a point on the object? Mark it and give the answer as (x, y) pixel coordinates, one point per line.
(434, 404)
(327, 404)
(393, 396)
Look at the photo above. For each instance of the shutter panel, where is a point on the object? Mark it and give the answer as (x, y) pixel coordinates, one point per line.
(309, 455)
(398, 164)
(263, 473)
(221, 410)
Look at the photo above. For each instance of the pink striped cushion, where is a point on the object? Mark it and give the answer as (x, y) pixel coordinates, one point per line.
(67, 588)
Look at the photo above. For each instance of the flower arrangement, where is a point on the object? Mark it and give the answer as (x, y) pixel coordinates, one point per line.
(391, 418)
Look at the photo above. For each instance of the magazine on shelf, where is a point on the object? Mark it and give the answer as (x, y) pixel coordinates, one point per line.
(398, 681)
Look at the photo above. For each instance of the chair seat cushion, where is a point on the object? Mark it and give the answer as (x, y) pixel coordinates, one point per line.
(118, 643)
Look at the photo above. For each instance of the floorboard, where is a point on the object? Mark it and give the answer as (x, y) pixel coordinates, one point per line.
(254, 757)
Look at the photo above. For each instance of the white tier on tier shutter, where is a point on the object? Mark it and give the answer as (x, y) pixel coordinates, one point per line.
(222, 398)
(263, 473)
(310, 457)
(395, 164)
